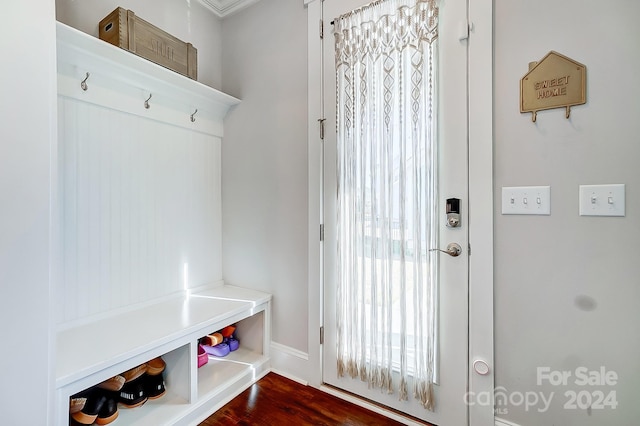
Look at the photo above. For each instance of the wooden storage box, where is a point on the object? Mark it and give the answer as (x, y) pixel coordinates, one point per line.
(124, 29)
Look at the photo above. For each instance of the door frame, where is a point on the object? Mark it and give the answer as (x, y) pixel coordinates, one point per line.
(480, 164)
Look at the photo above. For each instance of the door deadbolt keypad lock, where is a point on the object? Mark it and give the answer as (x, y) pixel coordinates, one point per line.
(453, 212)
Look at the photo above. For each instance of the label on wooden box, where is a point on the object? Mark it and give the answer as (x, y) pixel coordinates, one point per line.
(124, 29)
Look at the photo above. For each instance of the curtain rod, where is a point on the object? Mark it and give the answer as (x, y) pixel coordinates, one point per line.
(360, 9)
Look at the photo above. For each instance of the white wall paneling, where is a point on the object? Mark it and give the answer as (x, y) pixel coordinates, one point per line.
(140, 189)
(141, 201)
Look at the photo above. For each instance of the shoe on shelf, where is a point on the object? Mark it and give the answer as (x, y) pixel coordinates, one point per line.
(155, 366)
(220, 350)
(133, 393)
(89, 412)
(233, 343)
(73, 422)
(203, 357)
(113, 384)
(212, 339)
(76, 404)
(228, 331)
(154, 385)
(109, 411)
(134, 373)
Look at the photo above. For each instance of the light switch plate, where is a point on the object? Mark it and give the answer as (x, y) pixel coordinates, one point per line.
(602, 200)
(535, 200)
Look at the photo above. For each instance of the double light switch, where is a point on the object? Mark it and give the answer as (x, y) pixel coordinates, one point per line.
(602, 200)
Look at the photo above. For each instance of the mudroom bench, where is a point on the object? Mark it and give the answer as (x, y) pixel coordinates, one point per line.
(90, 353)
(138, 201)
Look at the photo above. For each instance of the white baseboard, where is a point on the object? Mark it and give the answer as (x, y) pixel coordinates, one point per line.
(290, 362)
(502, 422)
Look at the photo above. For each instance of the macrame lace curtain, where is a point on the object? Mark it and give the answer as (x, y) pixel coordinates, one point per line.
(387, 196)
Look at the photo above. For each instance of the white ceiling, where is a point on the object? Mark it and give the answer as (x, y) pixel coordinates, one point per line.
(224, 8)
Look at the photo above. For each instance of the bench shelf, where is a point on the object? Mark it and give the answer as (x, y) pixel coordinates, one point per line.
(95, 351)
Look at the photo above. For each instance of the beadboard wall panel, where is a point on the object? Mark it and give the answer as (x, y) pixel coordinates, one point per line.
(141, 209)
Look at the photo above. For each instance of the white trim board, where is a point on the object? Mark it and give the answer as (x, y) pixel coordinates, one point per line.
(315, 218)
(289, 351)
(224, 8)
(290, 362)
(122, 81)
(502, 422)
(480, 139)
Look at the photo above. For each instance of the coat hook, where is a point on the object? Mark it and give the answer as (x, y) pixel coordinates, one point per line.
(146, 103)
(193, 119)
(83, 84)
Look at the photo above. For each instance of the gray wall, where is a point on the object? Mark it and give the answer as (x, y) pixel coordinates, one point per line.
(567, 288)
(264, 166)
(189, 21)
(27, 143)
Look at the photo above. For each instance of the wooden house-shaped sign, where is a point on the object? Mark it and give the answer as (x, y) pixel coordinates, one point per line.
(554, 82)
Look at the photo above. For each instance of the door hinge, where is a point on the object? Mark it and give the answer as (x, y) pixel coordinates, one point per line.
(469, 249)
(464, 29)
(321, 121)
(321, 29)
(321, 232)
(322, 335)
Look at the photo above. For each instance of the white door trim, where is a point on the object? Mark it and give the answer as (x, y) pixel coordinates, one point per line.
(481, 208)
(314, 88)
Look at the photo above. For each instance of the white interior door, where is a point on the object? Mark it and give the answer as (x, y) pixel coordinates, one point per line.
(452, 353)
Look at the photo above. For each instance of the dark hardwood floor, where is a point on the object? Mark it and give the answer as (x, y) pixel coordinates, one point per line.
(276, 400)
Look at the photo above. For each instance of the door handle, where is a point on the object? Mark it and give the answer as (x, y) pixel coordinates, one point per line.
(453, 250)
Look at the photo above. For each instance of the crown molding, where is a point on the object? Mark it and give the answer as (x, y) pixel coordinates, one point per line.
(224, 8)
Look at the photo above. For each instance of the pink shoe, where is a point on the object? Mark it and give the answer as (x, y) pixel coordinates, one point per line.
(203, 357)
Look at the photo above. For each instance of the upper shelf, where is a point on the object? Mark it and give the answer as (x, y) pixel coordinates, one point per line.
(116, 68)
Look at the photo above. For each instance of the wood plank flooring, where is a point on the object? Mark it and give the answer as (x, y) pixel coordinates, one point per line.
(276, 400)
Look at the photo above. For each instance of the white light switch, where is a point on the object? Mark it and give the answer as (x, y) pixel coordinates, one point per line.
(526, 200)
(602, 200)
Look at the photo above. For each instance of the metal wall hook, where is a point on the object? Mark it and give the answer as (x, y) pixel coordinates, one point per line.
(193, 119)
(83, 84)
(146, 103)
